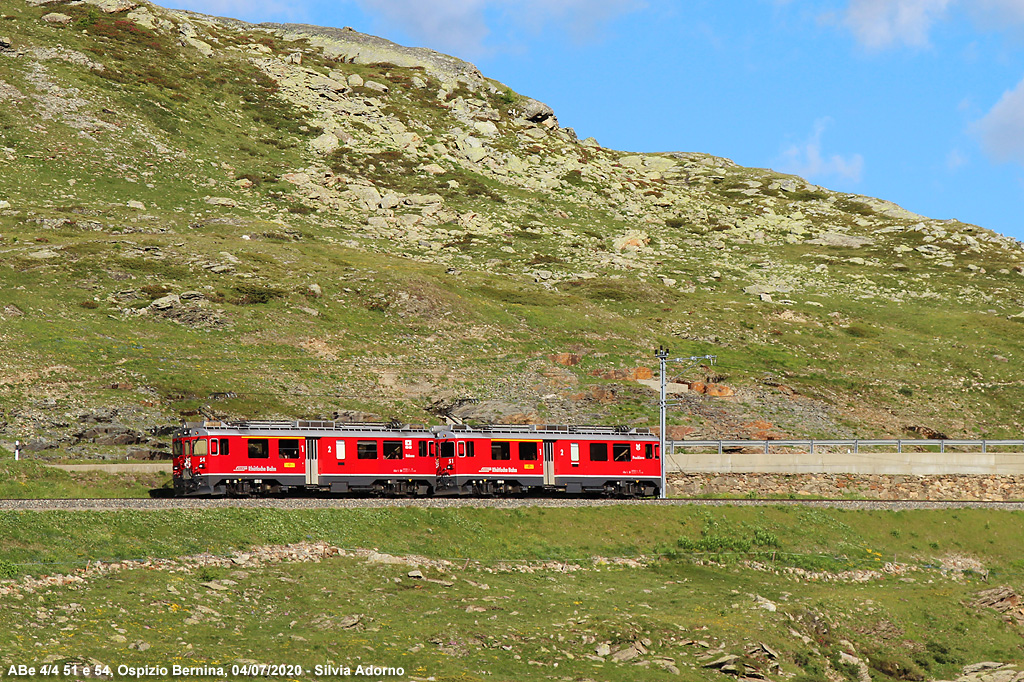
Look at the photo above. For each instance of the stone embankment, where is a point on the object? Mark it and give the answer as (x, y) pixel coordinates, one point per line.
(962, 487)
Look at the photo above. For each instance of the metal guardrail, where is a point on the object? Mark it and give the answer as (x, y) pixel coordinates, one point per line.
(851, 445)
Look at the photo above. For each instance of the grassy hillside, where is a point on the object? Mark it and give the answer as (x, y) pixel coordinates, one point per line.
(210, 217)
(645, 594)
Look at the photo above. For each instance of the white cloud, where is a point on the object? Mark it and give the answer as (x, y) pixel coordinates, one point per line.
(463, 26)
(882, 23)
(955, 159)
(445, 25)
(1001, 130)
(998, 13)
(808, 161)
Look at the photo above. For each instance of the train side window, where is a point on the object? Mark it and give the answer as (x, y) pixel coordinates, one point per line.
(224, 449)
(424, 450)
(620, 452)
(366, 449)
(392, 449)
(259, 448)
(470, 448)
(339, 449)
(200, 448)
(213, 446)
(649, 451)
(461, 449)
(176, 448)
(288, 448)
(501, 450)
(528, 452)
(599, 452)
(574, 452)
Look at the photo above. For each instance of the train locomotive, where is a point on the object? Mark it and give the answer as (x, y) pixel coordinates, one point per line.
(251, 458)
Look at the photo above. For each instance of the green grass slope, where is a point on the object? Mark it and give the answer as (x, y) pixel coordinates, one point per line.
(209, 217)
(681, 587)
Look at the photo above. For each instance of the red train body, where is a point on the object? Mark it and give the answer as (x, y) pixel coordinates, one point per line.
(260, 457)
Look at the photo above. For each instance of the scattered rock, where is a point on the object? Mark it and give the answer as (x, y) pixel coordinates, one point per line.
(535, 111)
(221, 201)
(566, 359)
(57, 18)
(633, 240)
(349, 622)
(325, 144)
(840, 240)
(165, 302)
(722, 662)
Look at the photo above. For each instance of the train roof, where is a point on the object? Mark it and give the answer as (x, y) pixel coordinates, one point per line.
(324, 428)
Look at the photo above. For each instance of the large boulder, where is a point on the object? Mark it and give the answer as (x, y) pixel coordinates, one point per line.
(535, 111)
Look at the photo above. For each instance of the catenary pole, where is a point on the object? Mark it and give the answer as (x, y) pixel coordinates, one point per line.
(663, 359)
(662, 354)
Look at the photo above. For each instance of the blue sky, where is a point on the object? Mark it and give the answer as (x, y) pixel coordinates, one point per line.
(920, 102)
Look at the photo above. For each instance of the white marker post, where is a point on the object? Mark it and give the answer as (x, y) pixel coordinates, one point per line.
(17, 450)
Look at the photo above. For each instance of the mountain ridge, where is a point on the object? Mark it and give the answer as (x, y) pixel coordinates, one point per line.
(192, 200)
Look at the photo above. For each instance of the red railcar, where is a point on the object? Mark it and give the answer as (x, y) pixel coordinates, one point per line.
(514, 459)
(246, 458)
(261, 457)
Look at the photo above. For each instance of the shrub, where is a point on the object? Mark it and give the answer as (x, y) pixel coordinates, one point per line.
(252, 294)
(860, 331)
(508, 98)
(7, 569)
(89, 304)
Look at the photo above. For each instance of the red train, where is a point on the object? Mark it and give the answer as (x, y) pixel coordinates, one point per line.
(268, 457)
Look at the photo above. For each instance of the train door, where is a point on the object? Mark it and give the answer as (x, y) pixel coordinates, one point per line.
(312, 470)
(549, 462)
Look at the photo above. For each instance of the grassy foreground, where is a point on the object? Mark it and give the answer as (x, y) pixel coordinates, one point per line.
(525, 594)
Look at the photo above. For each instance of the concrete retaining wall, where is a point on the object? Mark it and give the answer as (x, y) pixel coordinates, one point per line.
(121, 468)
(868, 486)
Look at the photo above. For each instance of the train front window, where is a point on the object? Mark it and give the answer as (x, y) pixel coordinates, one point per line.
(200, 448)
(176, 447)
(288, 448)
(448, 449)
(259, 448)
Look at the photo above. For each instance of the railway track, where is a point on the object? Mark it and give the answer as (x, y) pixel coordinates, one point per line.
(300, 503)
